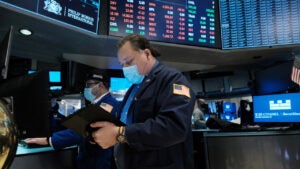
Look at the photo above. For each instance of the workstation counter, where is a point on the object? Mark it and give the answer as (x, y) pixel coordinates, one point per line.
(274, 149)
(44, 157)
(213, 149)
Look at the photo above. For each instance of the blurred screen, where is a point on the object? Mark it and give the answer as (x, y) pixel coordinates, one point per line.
(119, 87)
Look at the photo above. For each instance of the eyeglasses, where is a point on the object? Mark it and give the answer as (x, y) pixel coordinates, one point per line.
(89, 84)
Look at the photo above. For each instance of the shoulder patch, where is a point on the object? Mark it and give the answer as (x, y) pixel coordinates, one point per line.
(181, 90)
(106, 107)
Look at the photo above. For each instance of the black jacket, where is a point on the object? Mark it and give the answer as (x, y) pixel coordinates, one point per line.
(161, 135)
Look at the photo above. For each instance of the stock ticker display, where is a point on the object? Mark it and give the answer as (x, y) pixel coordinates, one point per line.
(257, 23)
(190, 22)
(220, 24)
(82, 14)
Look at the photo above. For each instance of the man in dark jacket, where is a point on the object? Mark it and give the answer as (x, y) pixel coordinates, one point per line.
(157, 112)
(90, 156)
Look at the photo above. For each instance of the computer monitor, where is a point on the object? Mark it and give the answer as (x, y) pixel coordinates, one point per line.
(228, 117)
(229, 107)
(54, 76)
(212, 107)
(30, 103)
(119, 87)
(55, 82)
(277, 108)
(228, 111)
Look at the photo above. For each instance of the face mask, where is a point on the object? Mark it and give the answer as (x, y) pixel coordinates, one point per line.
(132, 74)
(88, 94)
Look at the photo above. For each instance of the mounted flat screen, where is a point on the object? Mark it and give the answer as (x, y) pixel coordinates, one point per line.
(82, 14)
(252, 23)
(277, 108)
(188, 22)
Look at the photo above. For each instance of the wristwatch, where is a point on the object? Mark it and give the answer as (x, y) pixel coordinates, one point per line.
(121, 135)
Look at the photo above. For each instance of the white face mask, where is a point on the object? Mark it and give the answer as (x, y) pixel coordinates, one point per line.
(88, 94)
(132, 74)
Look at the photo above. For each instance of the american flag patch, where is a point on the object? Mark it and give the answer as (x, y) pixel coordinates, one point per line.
(181, 90)
(106, 107)
(295, 75)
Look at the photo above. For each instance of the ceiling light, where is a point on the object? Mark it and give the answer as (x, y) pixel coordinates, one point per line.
(25, 31)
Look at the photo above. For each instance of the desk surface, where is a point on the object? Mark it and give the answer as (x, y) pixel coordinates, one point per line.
(22, 150)
(44, 157)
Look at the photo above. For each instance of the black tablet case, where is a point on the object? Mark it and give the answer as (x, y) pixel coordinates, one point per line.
(80, 121)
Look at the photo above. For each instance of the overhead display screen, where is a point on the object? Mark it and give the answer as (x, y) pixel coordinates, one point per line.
(83, 14)
(254, 23)
(190, 22)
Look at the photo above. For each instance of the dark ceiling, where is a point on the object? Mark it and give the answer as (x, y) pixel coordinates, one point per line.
(53, 42)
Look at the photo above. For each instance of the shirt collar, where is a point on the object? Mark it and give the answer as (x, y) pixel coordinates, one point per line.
(99, 98)
(155, 65)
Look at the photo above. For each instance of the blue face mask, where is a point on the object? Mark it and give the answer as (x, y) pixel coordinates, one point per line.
(88, 94)
(132, 74)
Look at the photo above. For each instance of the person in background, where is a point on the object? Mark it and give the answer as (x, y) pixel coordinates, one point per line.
(55, 117)
(157, 111)
(90, 156)
(198, 117)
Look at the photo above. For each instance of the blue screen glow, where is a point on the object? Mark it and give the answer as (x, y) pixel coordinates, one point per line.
(277, 108)
(117, 83)
(228, 116)
(55, 87)
(31, 71)
(119, 87)
(54, 76)
(212, 107)
(229, 107)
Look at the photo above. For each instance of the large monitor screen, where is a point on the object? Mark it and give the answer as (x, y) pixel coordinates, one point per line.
(252, 23)
(83, 14)
(277, 108)
(183, 22)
